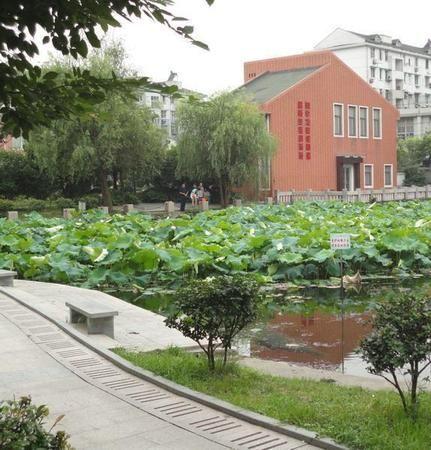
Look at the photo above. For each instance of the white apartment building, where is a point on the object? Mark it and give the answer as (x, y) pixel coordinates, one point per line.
(164, 106)
(400, 72)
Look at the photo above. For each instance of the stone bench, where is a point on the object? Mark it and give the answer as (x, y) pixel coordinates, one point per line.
(99, 317)
(6, 277)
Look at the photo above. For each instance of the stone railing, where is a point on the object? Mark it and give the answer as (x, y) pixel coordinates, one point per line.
(367, 195)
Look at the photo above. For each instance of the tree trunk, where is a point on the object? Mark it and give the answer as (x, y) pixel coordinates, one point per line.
(115, 179)
(224, 194)
(106, 193)
(210, 354)
(414, 388)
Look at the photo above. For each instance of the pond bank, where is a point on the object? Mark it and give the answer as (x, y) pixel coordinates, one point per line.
(288, 370)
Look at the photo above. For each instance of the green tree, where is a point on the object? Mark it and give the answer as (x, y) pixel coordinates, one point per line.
(28, 97)
(400, 345)
(117, 140)
(222, 139)
(213, 311)
(19, 175)
(414, 155)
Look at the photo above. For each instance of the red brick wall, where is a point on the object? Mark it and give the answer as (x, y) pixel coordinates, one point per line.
(334, 82)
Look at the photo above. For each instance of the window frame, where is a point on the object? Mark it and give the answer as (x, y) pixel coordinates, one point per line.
(342, 119)
(356, 121)
(392, 175)
(375, 108)
(367, 109)
(370, 186)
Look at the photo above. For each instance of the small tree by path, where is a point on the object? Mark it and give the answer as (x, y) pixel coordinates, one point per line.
(213, 311)
(400, 346)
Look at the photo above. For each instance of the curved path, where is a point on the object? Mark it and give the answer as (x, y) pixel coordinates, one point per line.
(105, 407)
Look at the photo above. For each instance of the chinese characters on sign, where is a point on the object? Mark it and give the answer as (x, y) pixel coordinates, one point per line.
(340, 241)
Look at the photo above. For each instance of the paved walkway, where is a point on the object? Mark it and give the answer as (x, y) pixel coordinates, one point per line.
(134, 327)
(106, 408)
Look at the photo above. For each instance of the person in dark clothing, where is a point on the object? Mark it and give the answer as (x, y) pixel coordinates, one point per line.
(183, 197)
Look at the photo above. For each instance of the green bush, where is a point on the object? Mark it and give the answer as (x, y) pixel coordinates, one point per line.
(91, 200)
(400, 345)
(214, 310)
(22, 427)
(156, 196)
(121, 198)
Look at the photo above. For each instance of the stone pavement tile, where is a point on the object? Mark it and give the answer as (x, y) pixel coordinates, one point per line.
(121, 431)
(124, 418)
(193, 442)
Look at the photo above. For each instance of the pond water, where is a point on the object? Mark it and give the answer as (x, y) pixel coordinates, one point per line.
(311, 326)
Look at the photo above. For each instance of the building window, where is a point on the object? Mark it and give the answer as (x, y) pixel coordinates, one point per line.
(154, 101)
(399, 65)
(386, 55)
(265, 174)
(373, 52)
(377, 123)
(427, 63)
(368, 176)
(373, 72)
(363, 122)
(381, 54)
(338, 119)
(353, 119)
(388, 175)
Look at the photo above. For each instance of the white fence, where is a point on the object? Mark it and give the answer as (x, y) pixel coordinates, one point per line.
(367, 196)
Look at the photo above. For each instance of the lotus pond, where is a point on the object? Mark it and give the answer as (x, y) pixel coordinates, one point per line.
(274, 243)
(309, 326)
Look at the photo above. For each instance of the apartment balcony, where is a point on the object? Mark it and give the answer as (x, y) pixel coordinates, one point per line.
(398, 94)
(410, 111)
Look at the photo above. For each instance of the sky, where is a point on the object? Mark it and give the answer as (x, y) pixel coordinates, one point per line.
(243, 30)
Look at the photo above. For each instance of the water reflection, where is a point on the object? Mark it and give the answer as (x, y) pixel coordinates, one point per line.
(309, 326)
(315, 340)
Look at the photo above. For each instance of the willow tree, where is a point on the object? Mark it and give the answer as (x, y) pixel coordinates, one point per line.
(222, 139)
(118, 137)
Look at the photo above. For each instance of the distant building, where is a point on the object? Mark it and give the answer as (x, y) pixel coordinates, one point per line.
(164, 105)
(333, 130)
(399, 72)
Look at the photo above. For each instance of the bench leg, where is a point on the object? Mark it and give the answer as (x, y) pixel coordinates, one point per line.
(101, 326)
(74, 316)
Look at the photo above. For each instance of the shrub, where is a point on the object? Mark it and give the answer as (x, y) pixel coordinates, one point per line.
(91, 200)
(121, 197)
(213, 311)
(60, 203)
(400, 345)
(157, 196)
(22, 427)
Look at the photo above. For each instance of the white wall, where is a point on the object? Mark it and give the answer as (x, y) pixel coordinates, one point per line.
(339, 37)
(355, 58)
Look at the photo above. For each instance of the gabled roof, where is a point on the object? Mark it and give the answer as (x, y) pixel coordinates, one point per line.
(396, 43)
(270, 84)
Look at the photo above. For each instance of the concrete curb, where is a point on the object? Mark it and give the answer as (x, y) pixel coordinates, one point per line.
(220, 405)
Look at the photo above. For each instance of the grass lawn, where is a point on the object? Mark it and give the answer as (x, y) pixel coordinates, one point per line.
(355, 417)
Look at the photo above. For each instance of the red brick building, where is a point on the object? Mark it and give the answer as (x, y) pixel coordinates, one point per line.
(333, 130)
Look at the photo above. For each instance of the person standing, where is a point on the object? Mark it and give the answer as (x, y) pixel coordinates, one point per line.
(201, 192)
(194, 195)
(183, 196)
